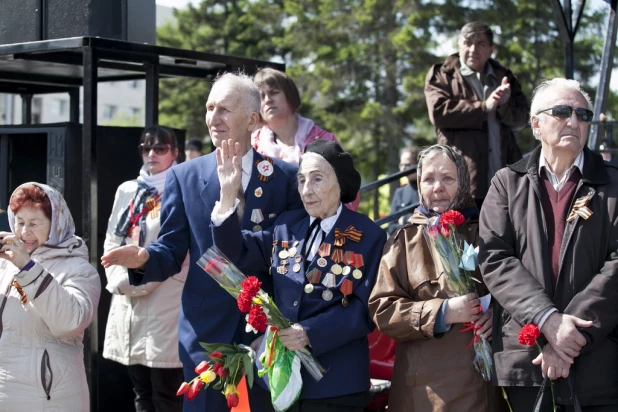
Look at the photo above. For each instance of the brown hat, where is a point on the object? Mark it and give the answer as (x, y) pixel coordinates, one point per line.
(477, 28)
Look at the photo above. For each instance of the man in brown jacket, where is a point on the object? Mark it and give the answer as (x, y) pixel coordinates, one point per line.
(476, 104)
(549, 256)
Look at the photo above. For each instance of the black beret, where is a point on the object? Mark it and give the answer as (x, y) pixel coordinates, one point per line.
(348, 177)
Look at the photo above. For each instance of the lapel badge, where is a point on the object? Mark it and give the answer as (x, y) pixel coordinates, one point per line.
(265, 169)
(272, 215)
(258, 192)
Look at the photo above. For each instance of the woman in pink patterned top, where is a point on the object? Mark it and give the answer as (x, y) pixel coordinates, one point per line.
(285, 133)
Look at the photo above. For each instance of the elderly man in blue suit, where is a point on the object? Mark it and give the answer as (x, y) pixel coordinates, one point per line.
(208, 313)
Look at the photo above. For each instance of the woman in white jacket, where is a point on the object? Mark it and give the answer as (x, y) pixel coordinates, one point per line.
(142, 327)
(48, 296)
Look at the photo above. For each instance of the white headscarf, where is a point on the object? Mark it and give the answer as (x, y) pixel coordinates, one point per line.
(62, 226)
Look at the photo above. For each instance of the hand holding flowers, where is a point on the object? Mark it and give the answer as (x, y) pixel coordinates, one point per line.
(458, 260)
(228, 362)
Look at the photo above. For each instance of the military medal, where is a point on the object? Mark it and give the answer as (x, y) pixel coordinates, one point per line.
(284, 262)
(327, 295)
(296, 267)
(348, 258)
(282, 270)
(314, 275)
(337, 257)
(324, 250)
(265, 169)
(309, 288)
(292, 251)
(346, 289)
(329, 280)
(284, 253)
(258, 192)
(257, 217)
(358, 263)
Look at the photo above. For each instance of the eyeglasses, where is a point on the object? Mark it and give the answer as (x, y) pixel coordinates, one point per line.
(565, 112)
(159, 148)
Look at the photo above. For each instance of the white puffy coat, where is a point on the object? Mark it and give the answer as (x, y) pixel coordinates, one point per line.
(41, 350)
(142, 327)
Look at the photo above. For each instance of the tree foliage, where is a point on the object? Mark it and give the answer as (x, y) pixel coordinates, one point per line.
(361, 64)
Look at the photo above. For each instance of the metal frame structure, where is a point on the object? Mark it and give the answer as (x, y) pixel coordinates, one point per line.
(564, 12)
(65, 65)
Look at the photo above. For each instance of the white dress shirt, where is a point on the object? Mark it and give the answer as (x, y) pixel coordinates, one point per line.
(553, 179)
(326, 225)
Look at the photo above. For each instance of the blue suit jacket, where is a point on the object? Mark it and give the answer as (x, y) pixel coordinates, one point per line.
(208, 313)
(337, 334)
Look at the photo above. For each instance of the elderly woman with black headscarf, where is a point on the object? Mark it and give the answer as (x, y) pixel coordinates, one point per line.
(413, 304)
(323, 261)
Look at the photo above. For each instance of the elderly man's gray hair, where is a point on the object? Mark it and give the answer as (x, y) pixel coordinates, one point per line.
(539, 96)
(249, 92)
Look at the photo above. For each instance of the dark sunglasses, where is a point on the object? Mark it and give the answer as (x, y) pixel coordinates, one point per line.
(159, 148)
(565, 112)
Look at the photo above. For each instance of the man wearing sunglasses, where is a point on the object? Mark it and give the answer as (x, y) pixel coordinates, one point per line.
(549, 256)
(208, 313)
(476, 103)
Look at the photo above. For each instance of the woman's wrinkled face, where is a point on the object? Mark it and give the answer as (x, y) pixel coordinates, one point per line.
(438, 182)
(32, 227)
(318, 186)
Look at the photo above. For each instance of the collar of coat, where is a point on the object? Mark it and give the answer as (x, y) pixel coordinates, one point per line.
(452, 64)
(595, 172)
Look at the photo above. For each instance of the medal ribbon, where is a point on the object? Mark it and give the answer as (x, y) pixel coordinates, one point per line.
(358, 261)
(257, 216)
(337, 256)
(324, 249)
(314, 275)
(351, 233)
(348, 257)
(346, 287)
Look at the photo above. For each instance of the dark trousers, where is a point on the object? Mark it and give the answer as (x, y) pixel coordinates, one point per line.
(155, 388)
(348, 403)
(522, 400)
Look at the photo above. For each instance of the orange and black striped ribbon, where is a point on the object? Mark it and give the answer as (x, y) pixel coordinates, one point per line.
(351, 233)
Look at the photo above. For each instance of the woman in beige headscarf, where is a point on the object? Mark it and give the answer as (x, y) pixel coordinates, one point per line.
(412, 303)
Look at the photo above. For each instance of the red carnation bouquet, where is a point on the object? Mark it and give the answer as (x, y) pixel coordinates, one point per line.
(281, 364)
(459, 260)
(227, 362)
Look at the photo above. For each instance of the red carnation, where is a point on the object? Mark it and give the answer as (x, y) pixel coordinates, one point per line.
(529, 334)
(451, 217)
(244, 301)
(257, 318)
(251, 285)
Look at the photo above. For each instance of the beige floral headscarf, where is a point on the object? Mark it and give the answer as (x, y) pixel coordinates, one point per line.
(62, 226)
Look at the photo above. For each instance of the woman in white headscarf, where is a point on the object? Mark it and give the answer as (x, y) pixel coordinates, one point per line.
(48, 296)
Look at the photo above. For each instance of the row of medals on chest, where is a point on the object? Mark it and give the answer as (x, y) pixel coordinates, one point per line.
(313, 276)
